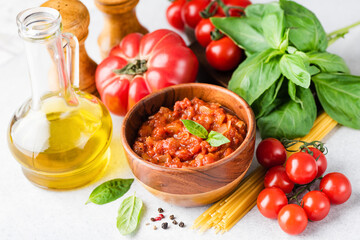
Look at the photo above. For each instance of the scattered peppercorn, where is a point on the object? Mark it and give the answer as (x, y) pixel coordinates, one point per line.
(147, 224)
(160, 210)
(174, 222)
(172, 217)
(155, 227)
(181, 224)
(152, 219)
(161, 215)
(164, 225)
(158, 218)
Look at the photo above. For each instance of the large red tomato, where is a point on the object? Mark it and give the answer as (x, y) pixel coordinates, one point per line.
(140, 65)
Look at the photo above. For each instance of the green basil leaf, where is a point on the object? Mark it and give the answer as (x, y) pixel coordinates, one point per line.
(339, 95)
(254, 75)
(216, 139)
(110, 191)
(195, 128)
(307, 33)
(292, 93)
(313, 70)
(129, 215)
(259, 10)
(245, 32)
(328, 62)
(290, 120)
(273, 27)
(294, 68)
(268, 100)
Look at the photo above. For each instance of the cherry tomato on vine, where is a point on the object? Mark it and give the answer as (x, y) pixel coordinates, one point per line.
(190, 12)
(235, 3)
(301, 168)
(336, 186)
(292, 219)
(173, 14)
(316, 205)
(321, 161)
(223, 54)
(203, 30)
(270, 201)
(277, 177)
(270, 152)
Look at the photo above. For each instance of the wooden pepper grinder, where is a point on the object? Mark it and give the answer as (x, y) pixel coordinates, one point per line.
(75, 20)
(119, 20)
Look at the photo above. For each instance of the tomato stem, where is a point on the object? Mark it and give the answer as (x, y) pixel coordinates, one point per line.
(207, 12)
(137, 67)
(216, 34)
(299, 189)
(305, 146)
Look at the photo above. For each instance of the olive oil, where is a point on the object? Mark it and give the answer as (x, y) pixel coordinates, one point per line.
(61, 146)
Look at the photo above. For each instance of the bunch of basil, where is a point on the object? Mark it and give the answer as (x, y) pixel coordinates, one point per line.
(286, 53)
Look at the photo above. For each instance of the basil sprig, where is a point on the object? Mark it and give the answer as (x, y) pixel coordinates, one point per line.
(129, 215)
(285, 45)
(110, 191)
(214, 138)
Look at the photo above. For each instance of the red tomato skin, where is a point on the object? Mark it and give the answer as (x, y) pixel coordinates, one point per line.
(321, 161)
(277, 177)
(203, 30)
(270, 152)
(223, 54)
(190, 12)
(292, 219)
(173, 14)
(237, 3)
(270, 201)
(316, 205)
(168, 62)
(336, 186)
(301, 168)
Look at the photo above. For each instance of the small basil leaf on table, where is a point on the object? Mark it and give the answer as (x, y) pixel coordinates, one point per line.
(328, 62)
(339, 94)
(110, 191)
(307, 33)
(273, 27)
(243, 31)
(290, 120)
(294, 68)
(195, 128)
(216, 139)
(254, 75)
(292, 93)
(129, 215)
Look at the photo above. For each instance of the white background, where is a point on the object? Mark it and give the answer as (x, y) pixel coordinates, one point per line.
(28, 212)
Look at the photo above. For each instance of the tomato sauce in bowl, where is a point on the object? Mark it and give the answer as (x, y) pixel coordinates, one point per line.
(164, 140)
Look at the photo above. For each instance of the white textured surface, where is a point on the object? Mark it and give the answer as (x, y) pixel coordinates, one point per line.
(27, 212)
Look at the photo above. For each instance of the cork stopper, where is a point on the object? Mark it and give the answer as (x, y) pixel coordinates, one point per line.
(75, 16)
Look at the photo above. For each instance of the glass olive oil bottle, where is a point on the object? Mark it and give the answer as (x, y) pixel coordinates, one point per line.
(61, 136)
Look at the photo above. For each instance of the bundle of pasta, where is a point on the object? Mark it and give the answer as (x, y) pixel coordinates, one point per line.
(224, 214)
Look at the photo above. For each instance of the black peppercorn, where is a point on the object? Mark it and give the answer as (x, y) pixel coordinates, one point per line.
(181, 224)
(174, 222)
(152, 219)
(160, 210)
(164, 225)
(172, 217)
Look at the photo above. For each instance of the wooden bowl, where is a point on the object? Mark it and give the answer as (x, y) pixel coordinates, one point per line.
(192, 186)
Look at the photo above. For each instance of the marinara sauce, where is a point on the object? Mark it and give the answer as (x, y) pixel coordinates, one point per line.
(164, 140)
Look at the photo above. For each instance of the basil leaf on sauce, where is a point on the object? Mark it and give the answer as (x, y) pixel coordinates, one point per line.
(110, 191)
(129, 215)
(216, 139)
(195, 128)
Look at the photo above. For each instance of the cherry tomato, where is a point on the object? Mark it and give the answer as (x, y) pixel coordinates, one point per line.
(190, 12)
(277, 177)
(203, 30)
(236, 3)
(173, 14)
(336, 186)
(301, 168)
(223, 54)
(292, 219)
(316, 205)
(321, 161)
(270, 152)
(270, 201)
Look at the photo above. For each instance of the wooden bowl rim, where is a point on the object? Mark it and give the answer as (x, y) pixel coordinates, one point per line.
(249, 135)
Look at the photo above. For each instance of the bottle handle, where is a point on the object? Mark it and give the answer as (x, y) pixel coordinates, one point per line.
(71, 48)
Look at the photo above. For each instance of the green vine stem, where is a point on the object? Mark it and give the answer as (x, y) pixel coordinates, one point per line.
(299, 189)
(340, 33)
(305, 146)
